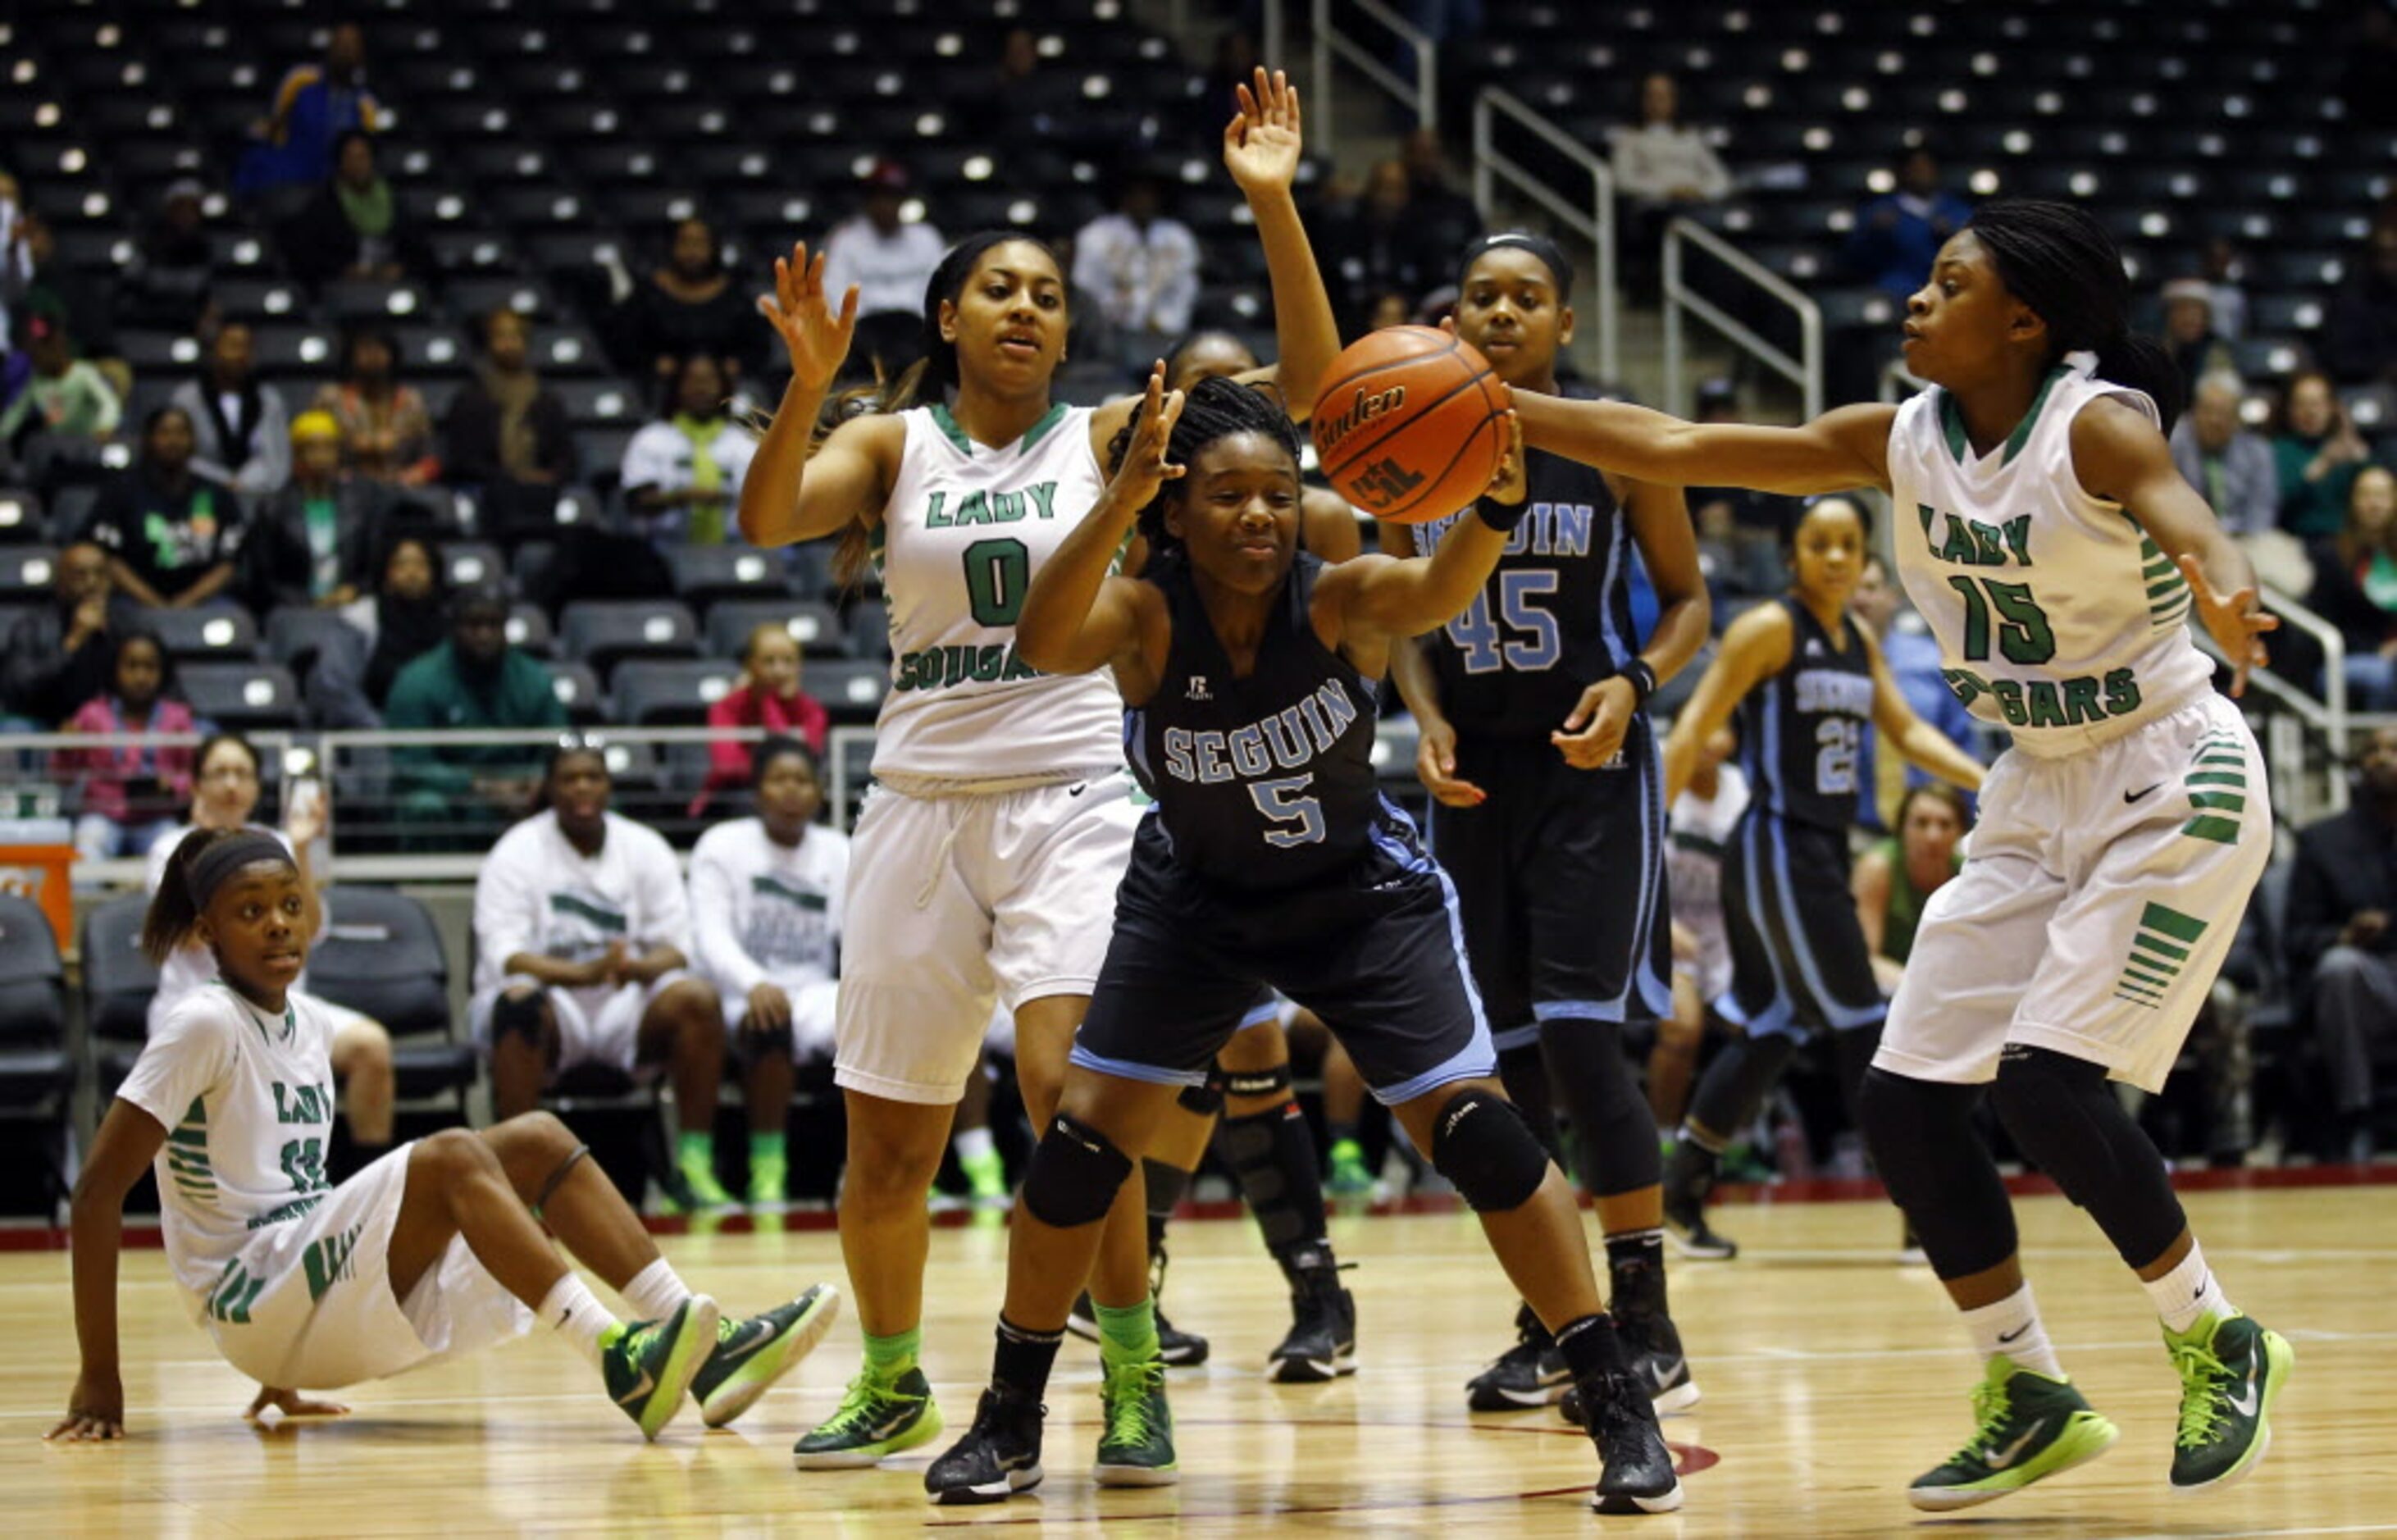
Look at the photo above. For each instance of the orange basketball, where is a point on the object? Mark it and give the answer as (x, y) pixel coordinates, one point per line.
(1412, 424)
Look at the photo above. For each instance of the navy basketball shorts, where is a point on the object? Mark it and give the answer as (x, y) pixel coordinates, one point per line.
(1799, 962)
(1374, 950)
(1562, 877)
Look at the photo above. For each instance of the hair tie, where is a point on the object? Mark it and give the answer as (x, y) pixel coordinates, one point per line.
(223, 857)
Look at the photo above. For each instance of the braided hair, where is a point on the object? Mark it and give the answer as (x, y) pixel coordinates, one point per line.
(1214, 407)
(2060, 262)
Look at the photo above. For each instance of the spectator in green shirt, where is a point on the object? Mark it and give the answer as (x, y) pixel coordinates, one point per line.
(453, 793)
(2316, 453)
(66, 410)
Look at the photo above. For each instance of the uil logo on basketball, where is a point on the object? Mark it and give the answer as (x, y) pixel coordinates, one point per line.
(1386, 481)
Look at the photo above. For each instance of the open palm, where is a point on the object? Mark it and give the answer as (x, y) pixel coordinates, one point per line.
(2237, 621)
(1262, 143)
(816, 337)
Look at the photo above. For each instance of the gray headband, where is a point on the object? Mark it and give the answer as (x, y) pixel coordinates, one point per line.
(223, 857)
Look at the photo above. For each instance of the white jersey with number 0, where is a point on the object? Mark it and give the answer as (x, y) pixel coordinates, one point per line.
(965, 527)
(2056, 614)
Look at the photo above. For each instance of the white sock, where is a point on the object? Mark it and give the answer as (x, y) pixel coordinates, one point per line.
(2188, 1291)
(973, 1144)
(655, 1291)
(576, 1312)
(2010, 1329)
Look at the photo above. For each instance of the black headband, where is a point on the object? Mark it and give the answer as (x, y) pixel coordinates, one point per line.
(223, 857)
(1550, 254)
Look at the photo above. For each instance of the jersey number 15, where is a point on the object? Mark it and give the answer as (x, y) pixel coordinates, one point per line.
(1485, 651)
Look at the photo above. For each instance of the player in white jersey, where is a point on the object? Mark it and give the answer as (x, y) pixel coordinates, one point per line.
(987, 856)
(2043, 534)
(435, 1248)
(766, 897)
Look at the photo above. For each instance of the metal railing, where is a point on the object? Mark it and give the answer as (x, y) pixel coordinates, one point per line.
(1422, 94)
(1595, 223)
(1805, 370)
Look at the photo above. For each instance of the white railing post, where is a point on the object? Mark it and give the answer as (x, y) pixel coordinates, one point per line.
(1595, 223)
(1270, 47)
(1422, 94)
(1805, 372)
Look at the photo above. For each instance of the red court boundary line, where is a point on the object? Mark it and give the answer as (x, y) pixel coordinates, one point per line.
(15, 1236)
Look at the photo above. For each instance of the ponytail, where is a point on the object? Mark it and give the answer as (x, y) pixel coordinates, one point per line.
(2060, 260)
(2138, 362)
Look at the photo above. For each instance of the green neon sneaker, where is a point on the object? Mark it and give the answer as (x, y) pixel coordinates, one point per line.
(985, 1179)
(751, 1355)
(1350, 1177)
(2030, 1428)
(876, 1420)
(649, 1364)
(1136, 1450)
(2232, 1370)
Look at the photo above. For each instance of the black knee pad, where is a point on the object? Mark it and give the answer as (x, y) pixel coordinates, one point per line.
(1074, 1175)
(518, 1016)
(1483, 1145)
(1921, 1136)
(2063, 1114)
(1257, 1082)
(1204, 1100)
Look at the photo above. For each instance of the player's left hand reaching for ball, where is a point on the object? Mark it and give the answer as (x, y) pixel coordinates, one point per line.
(2237, 622)
(1262, 143)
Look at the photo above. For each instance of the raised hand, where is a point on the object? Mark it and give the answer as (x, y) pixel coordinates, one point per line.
(1262, 143)
(817, 338)
(2237, 622)
(1145, 468)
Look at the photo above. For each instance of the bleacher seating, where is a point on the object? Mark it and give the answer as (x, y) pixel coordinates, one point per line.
(36, 1067)
(380, 954)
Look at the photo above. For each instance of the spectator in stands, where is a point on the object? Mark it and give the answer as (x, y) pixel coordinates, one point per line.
(1897, 876)
(1897, 234)
(765, 920)
(2355, 588)
(1376, 245)
(172, 539)
(1448, 215)
(2317, 454)
(504, 428)
(1136, 273)
(891, 261)
(166, 286)
(767, 695)
(2190, 334)
(242, 434)
(583, 945)
(16, 258)
(682, 473)
(314, 106)
(352, 227)
(2359, 338)
(313, 543)
(62, 654)
(386, 432)
(2223, 270)
(475, 679)
(87, 301)
(1663, 165)
(2341, 944)
(66, 411)
(129, 794)
(689, 304)
(407, 617)
(2231, 463)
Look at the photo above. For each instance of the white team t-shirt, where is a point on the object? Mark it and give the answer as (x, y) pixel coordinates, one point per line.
(247, 1099)
(190, 967)
(537, 893)
(763, 913)
(964, 529)
(2055, 615)
(1699, 828)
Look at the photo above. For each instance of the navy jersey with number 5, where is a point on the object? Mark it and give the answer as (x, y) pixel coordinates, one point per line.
(1555, 617)
(1801, 732)
(1266, 781)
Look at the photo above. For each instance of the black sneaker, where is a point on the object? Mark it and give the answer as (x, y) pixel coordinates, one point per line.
(1322, 1340)
(998, 1457)
(1688, 1178)
(1635, 1467)
(1652, 1347)
(1527, 1375)
(1180, 1349)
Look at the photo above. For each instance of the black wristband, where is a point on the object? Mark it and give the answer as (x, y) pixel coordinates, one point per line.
(1502, 517)
(1641, 678)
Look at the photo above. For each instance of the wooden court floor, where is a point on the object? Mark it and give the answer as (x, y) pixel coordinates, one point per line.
(1830, 1375)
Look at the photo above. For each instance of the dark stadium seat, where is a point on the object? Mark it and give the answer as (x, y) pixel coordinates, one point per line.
(598, 632)
(529, 628)
(219, 632)
(244, 697)
(25, 572)
(467, 562)
(669, 693)
(22, 518)
(816, 627)
(851, 690)
(118, 984)
(869, 629)
(296, 635)
(37, 1073)
(380, 954)
(578, 691)
(706, 575)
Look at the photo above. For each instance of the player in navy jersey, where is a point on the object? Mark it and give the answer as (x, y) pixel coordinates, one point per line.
(1536, 745)
(1270, 857)
(1808, 685)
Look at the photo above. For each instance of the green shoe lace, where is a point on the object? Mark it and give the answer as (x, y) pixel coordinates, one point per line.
(1131, 1390)
(1990, 1406)
(2202, 1378)
(864, 1398)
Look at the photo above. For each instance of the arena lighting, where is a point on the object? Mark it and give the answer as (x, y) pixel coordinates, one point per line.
(975, 168)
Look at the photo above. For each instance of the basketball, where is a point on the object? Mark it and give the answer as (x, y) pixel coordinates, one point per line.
(1411, 425)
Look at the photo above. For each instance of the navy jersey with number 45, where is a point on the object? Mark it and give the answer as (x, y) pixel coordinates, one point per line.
(1263, 781)
(1555, 617)
(1801, 732)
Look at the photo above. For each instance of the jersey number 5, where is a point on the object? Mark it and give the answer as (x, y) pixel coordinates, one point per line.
(1285, 801)
(1473, 634)
(2024, 635)
(997, 572)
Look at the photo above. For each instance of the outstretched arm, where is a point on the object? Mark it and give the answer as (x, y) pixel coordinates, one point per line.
(1755, 648)
(1262, 147)
(1843, 448)
(129, 1140)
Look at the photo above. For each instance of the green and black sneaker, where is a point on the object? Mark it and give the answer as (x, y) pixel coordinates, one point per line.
(2030, 1428)
(2232, 1370)
(751, 1355)
(876, 1418)
(1136, 1450)
(648, 1364)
